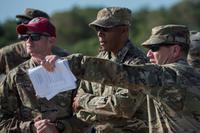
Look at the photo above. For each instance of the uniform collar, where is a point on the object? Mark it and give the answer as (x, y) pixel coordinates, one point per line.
(32, 63)
(121, 53)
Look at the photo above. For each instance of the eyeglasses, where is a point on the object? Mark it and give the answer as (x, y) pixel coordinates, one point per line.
(154, 48)
(22, 21)
(102, 29)
(32, 36)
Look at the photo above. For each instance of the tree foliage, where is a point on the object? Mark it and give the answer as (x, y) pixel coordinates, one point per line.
(74, 34)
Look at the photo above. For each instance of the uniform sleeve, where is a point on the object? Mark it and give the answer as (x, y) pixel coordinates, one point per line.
(119, 104)
(147, 78)
(12, 55)
(9, 111)
(2, 62)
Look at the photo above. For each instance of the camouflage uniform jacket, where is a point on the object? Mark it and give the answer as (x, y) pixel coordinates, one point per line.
(19, 105)
(112, 108)
(174, 88)
(14, 54)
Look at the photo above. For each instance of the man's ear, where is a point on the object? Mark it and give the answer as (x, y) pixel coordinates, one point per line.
(176, 51)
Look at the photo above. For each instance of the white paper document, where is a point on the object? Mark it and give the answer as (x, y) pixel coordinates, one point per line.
(48, 84)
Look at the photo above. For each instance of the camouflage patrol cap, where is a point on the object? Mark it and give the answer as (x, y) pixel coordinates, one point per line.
(31, 13)
(168, 34)
(112, 16)
(194, 56)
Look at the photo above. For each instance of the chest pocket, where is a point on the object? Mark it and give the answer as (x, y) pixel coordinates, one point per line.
(27, 93)
(28, 100)
(59, 106)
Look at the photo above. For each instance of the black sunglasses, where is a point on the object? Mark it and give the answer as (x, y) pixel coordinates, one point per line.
(32, 36)
(156, 47)
(22, 21)
(102, 29)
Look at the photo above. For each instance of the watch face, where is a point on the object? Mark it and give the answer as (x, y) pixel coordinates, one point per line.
(60, 126)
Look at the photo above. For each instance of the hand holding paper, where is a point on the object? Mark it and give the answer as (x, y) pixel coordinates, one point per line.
(48, 84)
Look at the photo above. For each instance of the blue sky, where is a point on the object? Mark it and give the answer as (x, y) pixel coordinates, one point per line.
(8, 10)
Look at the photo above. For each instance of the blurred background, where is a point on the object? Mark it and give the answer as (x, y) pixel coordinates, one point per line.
(71, 18)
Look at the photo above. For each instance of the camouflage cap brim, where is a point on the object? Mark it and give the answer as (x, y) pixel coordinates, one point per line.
(102, 23)
(108, 23)
(31, 13)
(152, 41)
(23, 16)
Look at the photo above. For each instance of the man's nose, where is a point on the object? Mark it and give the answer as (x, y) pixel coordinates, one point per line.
(149, 53)
(100, 33)
(29, 41)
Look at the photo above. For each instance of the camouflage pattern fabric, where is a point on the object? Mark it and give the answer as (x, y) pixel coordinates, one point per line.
(19, 105)
(110, 108)
(168, 34)
(173, 89)
(193, 55)
(112, 16)
(2, 76)
(30, 13)
(14, 54)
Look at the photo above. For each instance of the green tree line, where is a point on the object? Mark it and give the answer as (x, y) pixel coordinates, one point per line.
(74, 34)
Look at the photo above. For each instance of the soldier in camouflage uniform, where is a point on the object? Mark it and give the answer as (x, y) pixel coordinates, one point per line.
(20, 109)
(194, 52)
(171, 84)
(14, 54)
(110, 108)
